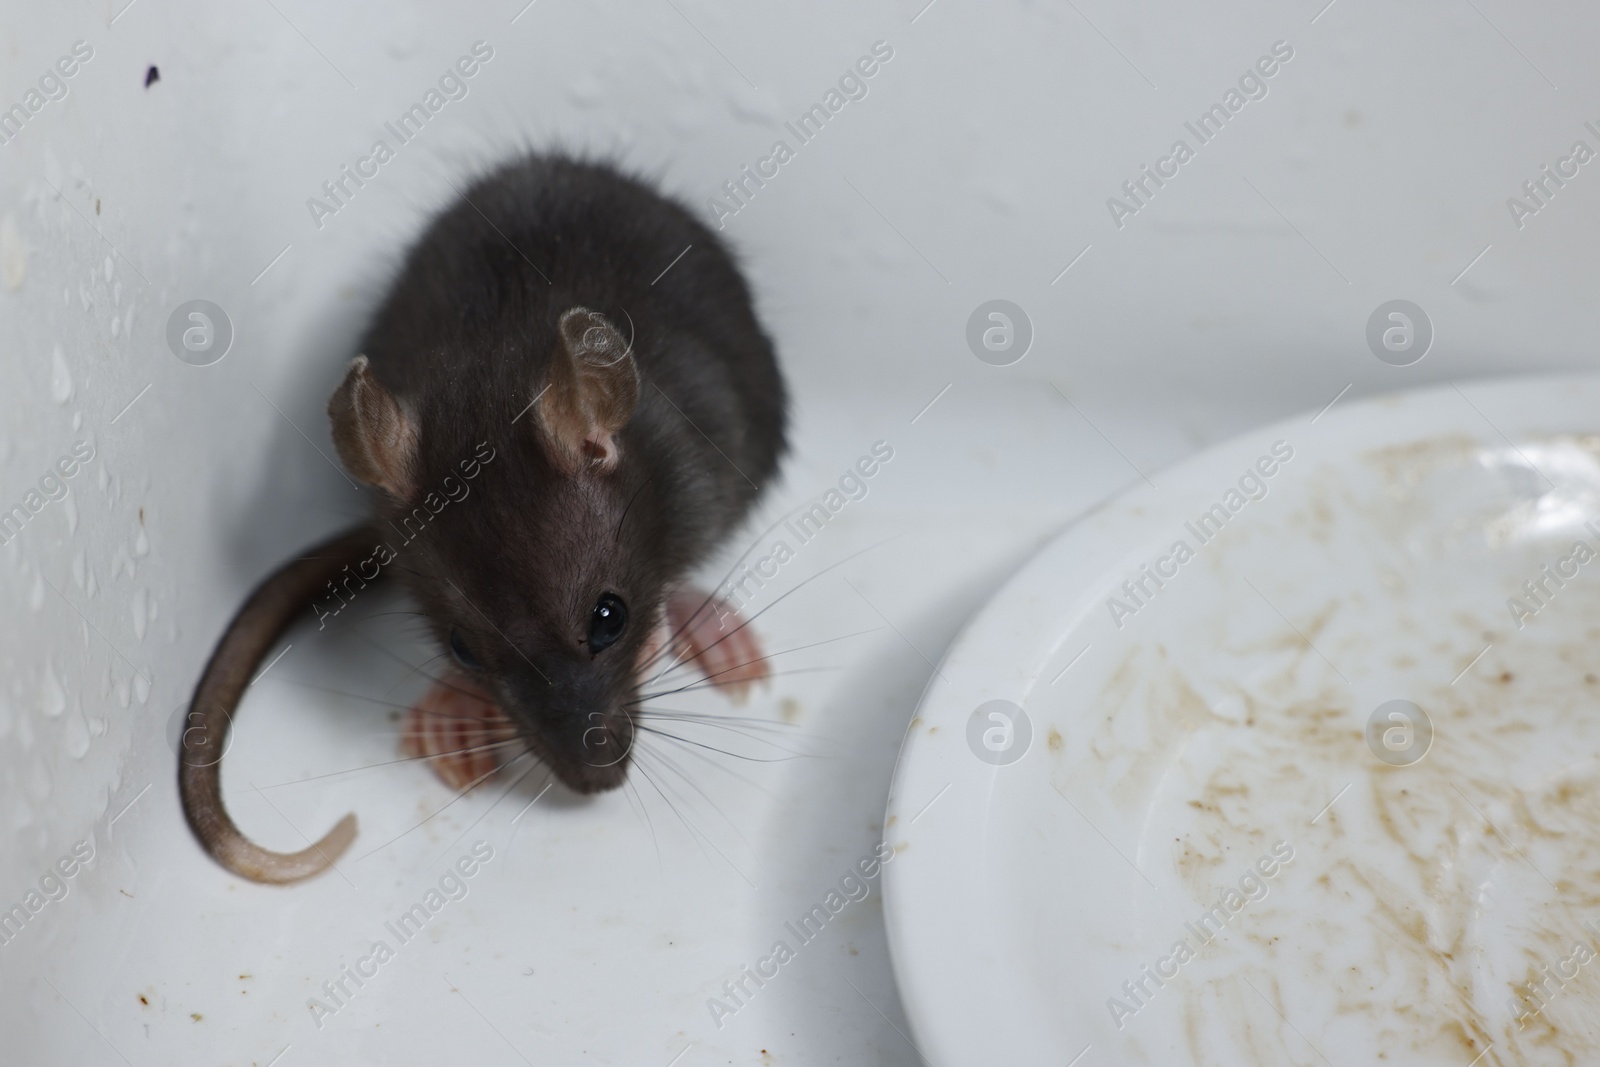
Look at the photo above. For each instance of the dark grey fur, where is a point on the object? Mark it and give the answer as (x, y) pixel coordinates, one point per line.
(463, 340)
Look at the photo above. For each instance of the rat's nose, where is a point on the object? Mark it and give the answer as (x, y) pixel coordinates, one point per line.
(604, 745)
(583, 732)
(607, 739)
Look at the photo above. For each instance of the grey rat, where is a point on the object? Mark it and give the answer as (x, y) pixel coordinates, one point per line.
(601, 343)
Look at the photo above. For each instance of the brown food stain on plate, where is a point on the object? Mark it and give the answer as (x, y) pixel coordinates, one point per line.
(1421, 894)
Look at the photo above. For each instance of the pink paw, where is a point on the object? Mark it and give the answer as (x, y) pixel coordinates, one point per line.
(458, 727)
(708, 633)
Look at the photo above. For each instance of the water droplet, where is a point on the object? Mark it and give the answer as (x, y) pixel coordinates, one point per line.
(70, 506)
(79, 565)
(77, 421)
(141, 544)
(91, 587)
(104, 478)
(110, 266)
(52, 697)
(75, 735)
(60, 377)
(36, 594)
(140, 605)
(141, 688)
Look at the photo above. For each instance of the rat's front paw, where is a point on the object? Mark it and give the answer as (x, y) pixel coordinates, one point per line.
(460, 730)
(707, 633)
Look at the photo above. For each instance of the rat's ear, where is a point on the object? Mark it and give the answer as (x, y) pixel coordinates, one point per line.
(591, 394)
(375, 437)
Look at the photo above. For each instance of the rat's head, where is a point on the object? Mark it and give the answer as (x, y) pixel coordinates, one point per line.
(529, 552)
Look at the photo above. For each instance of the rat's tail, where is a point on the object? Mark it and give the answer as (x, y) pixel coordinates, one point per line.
(268, 612)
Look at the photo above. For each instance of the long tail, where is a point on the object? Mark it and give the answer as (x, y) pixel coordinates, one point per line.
(264, 617)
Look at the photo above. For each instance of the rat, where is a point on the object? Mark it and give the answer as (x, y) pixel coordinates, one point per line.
(588, 354)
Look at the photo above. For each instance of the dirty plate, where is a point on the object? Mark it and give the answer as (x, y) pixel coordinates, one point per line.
(1290, 758)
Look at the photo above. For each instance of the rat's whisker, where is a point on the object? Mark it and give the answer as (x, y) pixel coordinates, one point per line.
(503, 794)
(693, 687)
(714, 675)
(670, 765)
(631, 791)
(699, 836)
(696, 752)
(773, 655)
(754, 720)
(415, 670)
(786, 594)
(706, 759)
(338, 692)
(469, 788)
(754, 544)
(725, 722)
(479, 697)
(645, 772)
(687, 728)
(738, 721)
(517, 817)
(749, 731)
(713, 748)
(393, 763)
(497, 717)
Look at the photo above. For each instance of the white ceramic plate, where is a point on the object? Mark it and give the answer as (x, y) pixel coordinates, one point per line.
(1187, 849)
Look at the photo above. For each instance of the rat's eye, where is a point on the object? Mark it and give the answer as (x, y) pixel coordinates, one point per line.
(463, 655)
(606, 622)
